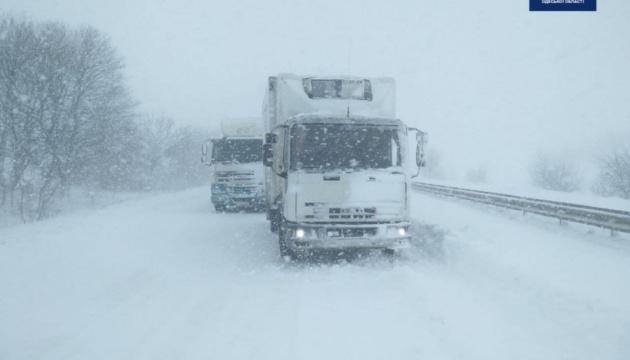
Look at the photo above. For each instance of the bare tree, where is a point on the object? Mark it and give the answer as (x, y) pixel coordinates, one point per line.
(554, 173)
(67, 120)
(59, 89)
(170, 154)
(614, 176)
(90, 97)
(185, 170)
(19, 107)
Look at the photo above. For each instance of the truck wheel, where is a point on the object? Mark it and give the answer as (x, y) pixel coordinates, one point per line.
(285, 250)
(274, 221)
(219, 207)
(391, 254)
(388, 252)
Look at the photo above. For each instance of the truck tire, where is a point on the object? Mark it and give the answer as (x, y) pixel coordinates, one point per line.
(285, 250)
(390, 253)
(219, 207)
(274, 221)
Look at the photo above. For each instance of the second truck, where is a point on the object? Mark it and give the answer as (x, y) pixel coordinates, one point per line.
(236, 161)
(337, 172)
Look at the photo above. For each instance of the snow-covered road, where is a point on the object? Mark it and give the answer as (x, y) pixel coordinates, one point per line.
(166, 278)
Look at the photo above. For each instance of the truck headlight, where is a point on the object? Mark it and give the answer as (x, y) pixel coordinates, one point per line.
(304, 233)
(397, 231)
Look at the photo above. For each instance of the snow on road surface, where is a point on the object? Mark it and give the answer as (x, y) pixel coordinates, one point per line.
(166, 278)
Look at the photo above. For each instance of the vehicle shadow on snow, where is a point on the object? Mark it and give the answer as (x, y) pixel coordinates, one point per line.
(427, 244)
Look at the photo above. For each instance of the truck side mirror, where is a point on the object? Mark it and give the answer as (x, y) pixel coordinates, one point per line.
(267, 154)
(204, 153)
(421, 139)
(420, 162)
(271, 138)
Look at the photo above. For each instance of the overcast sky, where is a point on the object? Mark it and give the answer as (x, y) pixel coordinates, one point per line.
(491, 82)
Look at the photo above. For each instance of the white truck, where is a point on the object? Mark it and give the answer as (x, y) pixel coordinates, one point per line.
(236, 161)
(336, 162)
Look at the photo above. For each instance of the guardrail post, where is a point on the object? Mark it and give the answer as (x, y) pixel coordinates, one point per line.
(560, 219)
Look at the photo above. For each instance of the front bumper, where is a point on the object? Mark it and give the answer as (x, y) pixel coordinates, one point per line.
(348, 236)
(232, 195)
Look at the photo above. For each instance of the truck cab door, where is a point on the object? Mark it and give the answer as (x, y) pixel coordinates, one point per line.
(275, 169)
(279, 164)
(206, 149)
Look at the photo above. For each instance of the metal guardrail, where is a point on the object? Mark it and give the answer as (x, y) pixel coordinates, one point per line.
(613, 220)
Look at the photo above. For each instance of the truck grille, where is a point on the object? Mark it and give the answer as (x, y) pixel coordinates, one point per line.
(242, 190)
(243, 177)
(345, 213)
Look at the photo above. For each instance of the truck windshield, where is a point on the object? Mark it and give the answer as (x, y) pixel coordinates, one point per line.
(340, 146)
(237, 150)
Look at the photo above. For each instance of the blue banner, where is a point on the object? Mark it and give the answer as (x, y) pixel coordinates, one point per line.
(562, 5)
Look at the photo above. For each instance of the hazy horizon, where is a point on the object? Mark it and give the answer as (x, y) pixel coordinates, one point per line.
(493, 85)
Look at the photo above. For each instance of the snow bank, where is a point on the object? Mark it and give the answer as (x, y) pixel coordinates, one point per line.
(579, 197)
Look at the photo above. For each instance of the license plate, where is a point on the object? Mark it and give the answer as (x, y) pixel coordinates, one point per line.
(333, 233)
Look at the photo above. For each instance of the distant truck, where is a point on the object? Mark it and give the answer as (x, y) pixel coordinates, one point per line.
(337, 172)
(236, 161)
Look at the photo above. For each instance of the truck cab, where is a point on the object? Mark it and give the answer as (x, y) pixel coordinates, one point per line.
(237, 171)
(337, 180)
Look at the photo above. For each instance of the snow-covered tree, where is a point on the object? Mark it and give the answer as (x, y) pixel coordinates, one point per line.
(554, 173)
(614, 175)
(171, 154)
(67, 119)
(60, 89)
